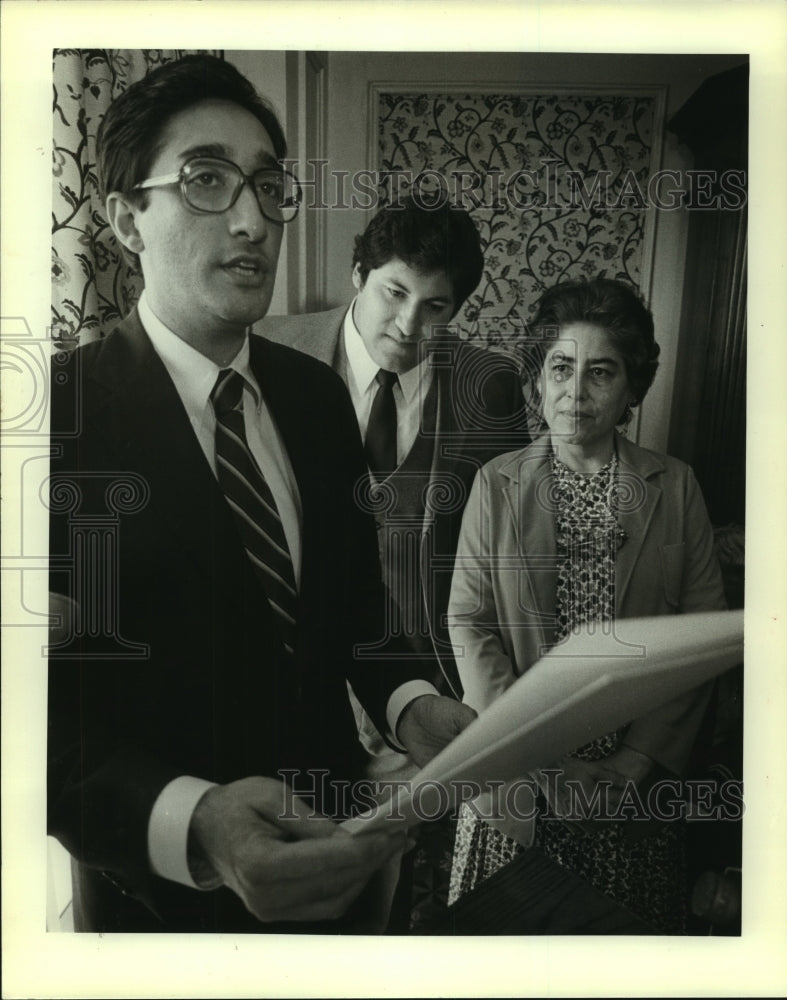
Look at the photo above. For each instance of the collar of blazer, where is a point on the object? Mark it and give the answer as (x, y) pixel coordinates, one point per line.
(526, 483)
(313, 333)
(134, 406)
(127, 367)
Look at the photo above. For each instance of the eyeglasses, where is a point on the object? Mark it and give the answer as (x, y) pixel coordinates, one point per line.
(213, 184)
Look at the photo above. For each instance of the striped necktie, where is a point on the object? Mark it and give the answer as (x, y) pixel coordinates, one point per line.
(253, 505)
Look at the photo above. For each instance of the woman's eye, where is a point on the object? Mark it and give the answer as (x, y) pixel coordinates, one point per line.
(600, 373)
(395, 293)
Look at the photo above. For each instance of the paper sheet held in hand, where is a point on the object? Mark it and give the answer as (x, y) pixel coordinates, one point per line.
(596, 680)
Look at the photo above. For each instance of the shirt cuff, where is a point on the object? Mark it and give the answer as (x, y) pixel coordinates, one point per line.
(168, 829)
(399, 701)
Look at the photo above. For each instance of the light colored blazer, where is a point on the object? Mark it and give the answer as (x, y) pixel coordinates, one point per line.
(501, 613)
(313, 333)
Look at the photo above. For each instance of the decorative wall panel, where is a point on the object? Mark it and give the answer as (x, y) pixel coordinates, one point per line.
(557, 183)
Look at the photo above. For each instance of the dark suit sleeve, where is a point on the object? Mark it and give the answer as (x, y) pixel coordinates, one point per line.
(487, 399)
(101, 783)
(512, 403)
(212, 695)
(169, 664)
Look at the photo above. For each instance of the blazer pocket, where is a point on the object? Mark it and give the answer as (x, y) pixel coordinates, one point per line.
(672, 571)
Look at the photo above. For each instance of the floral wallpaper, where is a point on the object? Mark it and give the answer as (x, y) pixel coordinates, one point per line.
(92, 284)
(556, 184)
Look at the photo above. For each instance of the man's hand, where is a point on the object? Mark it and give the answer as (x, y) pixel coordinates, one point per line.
(429, 723)
(282, 860)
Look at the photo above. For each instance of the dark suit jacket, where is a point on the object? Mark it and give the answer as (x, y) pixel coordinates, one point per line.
(175, 664)
(480, 414)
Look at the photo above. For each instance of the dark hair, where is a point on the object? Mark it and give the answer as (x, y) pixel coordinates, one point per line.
(129, 136)
(427, 239)
(615, 307)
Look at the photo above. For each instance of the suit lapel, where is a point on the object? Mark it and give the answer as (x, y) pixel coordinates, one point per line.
(144, 419)
(283, 397)
(637, 502)
(449, 444)
(437, 546)
(532, 523)
(321, 337)
(339, 356)
(282, 387)
(528, 501)
(459, 448)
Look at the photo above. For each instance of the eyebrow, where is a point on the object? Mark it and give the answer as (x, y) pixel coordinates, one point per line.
(446, 299)
(263, 158)
(561, 355)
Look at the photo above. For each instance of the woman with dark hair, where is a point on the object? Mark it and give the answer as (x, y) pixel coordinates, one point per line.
(584, 526)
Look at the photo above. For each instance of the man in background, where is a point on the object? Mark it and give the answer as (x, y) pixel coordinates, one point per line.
(431, 409)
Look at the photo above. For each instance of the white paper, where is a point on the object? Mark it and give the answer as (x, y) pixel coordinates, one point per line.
(596, 680)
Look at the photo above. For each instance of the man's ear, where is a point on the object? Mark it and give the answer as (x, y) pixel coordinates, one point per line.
(358, 281)
(122, 216)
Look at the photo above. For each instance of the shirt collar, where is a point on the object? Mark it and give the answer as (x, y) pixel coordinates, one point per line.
(363, 369)
(193, 373)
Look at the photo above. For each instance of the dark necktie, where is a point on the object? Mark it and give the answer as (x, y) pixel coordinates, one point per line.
(381, 429)
(252, 503)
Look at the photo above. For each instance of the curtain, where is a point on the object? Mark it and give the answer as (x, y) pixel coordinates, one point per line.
(93, 285)
(708, 425)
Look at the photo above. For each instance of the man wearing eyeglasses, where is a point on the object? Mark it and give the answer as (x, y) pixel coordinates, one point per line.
(242, 576)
